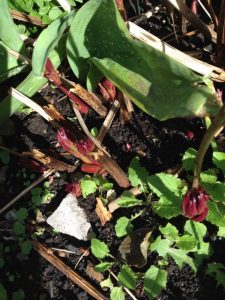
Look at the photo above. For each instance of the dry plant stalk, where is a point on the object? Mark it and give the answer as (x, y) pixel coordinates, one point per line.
(101, 211)
(26, 18)
(108, 121)
(191, 17)
(194, 64)
(221, 36)
(49, 161)
(26, 190)
(67, 271)
(87, 97)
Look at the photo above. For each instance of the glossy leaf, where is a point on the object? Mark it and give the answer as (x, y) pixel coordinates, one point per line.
(47, 41)
(155, 82)
(154, 281)
(219, 160)
(30, 85)
(188, 159)
(127, 199)
(88, 187)
(9, 34)
(137, 174)
(216, 214)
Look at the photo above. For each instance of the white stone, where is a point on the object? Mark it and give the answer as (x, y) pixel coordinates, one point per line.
(69, 218)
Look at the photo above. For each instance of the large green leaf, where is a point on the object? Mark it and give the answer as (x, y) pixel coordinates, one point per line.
(47, 41)
(156, 83)
(10, 65)
(30, 85)
(8, 30)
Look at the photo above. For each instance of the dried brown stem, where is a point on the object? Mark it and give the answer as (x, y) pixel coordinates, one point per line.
(108, 120)
(25, 18)
(67, 271)
(26, 190)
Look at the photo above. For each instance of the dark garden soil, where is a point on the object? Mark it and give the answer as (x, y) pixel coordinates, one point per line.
(159, 145)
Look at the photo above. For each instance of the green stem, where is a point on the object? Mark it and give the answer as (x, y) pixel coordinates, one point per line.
(205, 143)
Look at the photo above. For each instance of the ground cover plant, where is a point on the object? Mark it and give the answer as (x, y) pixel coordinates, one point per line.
(116, 207)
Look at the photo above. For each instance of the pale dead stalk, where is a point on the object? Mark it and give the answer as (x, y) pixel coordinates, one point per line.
(26, 190)
(108, 120)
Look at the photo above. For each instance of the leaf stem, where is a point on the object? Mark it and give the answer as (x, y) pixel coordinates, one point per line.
(205, 143)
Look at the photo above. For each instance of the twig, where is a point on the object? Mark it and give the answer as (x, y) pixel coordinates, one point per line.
(192, 18)
(25, 18)
(30, 103)
(108, 120)
(126, 289)
(72, 275)
(26, 190)
(194, 64)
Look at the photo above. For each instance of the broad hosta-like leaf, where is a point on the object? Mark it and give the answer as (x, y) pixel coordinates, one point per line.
(156, 83)
(9, 34)
(47, 41)
(30, 85)
(154, 281)
(10, 65)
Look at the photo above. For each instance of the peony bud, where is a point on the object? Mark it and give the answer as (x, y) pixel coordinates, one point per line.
(85, 146)
(66, 140)
(194, 205)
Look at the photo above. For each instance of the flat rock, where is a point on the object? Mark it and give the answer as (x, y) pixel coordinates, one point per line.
(69, 218)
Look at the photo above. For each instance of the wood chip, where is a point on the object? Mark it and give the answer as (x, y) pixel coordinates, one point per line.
(72, 275)
(103, 214)
(93, 274)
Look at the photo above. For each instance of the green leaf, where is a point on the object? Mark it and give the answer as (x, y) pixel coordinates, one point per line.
(54, 13)
(170, 232)
(123, 226)
(221, 232)
(164, 249)
(188, 159)
(186, 242)
(127, 199)
(170, 190)
(149, 77)
(18, 228)
(19, 295)
(117, 294)
(107, 283)
(127, 277)
(216, 214)
(154, 281)
(137, 174)
(219, 160)
(94, 131)
(208, 176)
(47, 41)
(3, 292)
(217, 270)
(22, 214)
(8, 30)
(4, 157)
(36, 191)
(99, 249)
(30, 85)
(104, 266)
(26, 247)
(216, 190)
(88, 187)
